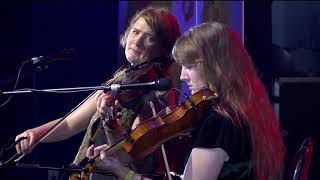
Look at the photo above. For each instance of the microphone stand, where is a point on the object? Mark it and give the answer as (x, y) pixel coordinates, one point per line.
(59, 90)
(160, 84)
(63, 171)
(70, 168)
(105, 87)
(113, 88)
(15, 158)
(73, 168)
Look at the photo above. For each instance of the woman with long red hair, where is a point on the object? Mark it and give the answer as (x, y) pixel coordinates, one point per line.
(239, 137)
(243, 129)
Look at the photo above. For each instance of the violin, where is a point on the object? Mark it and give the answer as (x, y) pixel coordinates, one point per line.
(144, 72)
(150, 134)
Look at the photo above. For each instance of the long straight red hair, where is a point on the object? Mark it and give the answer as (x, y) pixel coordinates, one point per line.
(220, 55)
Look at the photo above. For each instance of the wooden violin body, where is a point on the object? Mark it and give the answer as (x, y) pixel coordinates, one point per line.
(150, 134)
(144, 72)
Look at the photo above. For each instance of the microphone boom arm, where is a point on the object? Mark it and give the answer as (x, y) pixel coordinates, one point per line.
(160, 84)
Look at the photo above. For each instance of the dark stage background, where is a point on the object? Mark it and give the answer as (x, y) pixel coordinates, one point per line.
(282, 37)
(30, 29)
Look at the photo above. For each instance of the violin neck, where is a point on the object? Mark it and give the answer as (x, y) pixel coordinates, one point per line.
(113, 150)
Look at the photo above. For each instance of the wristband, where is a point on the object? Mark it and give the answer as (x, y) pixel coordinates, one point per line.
(129, 175)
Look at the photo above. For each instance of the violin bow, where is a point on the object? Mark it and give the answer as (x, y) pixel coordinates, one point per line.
(17, 157)
(165, 159)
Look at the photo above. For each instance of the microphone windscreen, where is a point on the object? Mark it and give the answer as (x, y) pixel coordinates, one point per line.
(163, 84)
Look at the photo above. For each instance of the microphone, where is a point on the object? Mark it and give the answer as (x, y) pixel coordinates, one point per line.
(161, 84)
(65, 54)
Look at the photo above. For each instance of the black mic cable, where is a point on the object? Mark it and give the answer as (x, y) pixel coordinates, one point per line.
(15, 85)
(66, 54)
(185, 97)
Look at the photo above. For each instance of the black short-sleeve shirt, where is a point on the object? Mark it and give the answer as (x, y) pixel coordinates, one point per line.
(216, 131)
